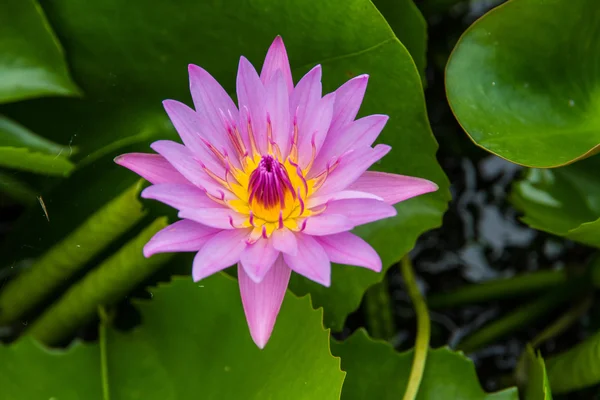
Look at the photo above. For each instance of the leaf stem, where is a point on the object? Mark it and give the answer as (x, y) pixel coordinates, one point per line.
(525, 315)
(65, 259)
(103, 352)
(498, 289)
(423, 330)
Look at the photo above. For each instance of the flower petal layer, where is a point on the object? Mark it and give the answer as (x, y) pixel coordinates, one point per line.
(152, 167)
(351, 166)
(285, 241)
(392, 188)
(262, 301)
(222, 218)
(252, 100)
(219, 252)
(179, 196)
(277, 60)
(348, 99)
(215, 108)
(183, 235)
(360, 133)
(360, 211)
(311, 260)
(327, 224)
(257, 258)
(347, 248)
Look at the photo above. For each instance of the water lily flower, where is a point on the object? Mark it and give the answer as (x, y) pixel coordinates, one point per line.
(274, 184)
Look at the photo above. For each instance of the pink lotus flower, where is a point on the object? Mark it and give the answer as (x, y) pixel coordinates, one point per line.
(274, 184)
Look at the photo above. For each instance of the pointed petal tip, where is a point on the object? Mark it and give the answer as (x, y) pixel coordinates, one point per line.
(260, 340)
(119, 159)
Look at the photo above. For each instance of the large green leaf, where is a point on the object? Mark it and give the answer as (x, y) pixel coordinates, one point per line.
(193, 343)
(409, 26)
(13, 134)
(31, 59)
(376, 371)
(575, 368)
(563, 201)
(23, 159)
(524, 81)
(141, 57)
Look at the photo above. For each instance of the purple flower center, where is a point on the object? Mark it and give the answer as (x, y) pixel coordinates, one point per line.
(269, 183)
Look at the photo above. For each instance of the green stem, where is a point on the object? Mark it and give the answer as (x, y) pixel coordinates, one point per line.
(498, 289)
(380, 320)
(106, 284)
(66, 258)
(525, 315)
(423, 330)
(103, 353)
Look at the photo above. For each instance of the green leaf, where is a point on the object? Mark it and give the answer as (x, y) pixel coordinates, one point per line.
(538, 386)
(70, 255)
(14, 135)
(524, 81)
(376, 371)
(106, 284)
(23, 159)
(193, 343)
(563, 201)
(16, 189)
(575, 368)
(410, 28)
(146, 51)
(31, 59)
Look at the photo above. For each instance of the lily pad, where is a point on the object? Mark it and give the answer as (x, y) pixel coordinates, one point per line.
(141, 58)
(376, 371)
(175, 354)
(523, 81)
(31, 59)
(563, 201)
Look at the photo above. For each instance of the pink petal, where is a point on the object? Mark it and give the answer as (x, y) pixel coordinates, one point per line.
(360, 133)
(182, 159)
(262, 301)
(361, 211)
(252, 100)
(314, 129)
(348, 99)
(219, 252)
(278, 109)
(222, 218)
(257, 259)
(187, 123)
(183, 235)
(347, 248)
(351, 166)
(315, 201)
(284, 240)
(152, 167)
(311, 260)
(277, 60)
(391, 187)
(179, 196)
(327, 224)
(305, 101)
(214, 107)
